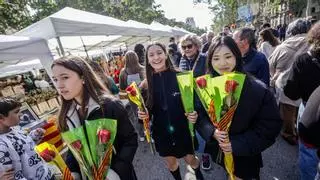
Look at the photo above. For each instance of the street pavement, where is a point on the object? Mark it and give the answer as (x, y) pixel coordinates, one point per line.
(280, 163)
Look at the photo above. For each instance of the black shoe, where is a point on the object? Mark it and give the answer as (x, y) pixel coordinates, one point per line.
(205, 162)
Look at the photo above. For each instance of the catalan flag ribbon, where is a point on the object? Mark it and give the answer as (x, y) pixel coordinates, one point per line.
(220, 96)
(135, 96)
(50, 154)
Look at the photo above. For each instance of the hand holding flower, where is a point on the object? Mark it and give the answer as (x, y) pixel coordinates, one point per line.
(226, 147)
(7, 175)
(143, 115)
(192, 117)
(220, 136)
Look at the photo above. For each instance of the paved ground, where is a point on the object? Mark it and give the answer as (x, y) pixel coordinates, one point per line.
(280, 163)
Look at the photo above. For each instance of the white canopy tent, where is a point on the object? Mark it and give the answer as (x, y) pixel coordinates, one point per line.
(17, 49)
(73, 22)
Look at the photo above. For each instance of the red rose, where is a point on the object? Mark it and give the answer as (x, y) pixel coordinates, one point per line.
(47, 155)
(231, 86)
(104, 136)
(77, 145)
(130, 90)
(201, 82)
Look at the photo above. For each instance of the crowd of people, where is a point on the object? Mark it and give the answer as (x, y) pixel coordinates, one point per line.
(282, 75)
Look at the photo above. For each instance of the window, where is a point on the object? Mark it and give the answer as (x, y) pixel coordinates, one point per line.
(313, 10)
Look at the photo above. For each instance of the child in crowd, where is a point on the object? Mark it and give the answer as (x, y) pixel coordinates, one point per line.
(84, 97)
(256, 122)
(170, 123)
(18, 160)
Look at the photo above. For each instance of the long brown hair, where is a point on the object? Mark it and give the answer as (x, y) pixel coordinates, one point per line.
(92, 87)
(131, 63)
(150, 71)
(268, 36)
(100, 72)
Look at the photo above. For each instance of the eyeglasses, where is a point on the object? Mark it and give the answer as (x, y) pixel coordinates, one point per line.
(189, 46)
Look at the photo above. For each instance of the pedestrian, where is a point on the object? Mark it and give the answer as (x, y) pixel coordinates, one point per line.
(268, 42)
(170, 123)
(254, 62)
(106, 79)
(302, 81)
(140, 50)
(210, 36)
(280, 64)
(194, 60)
(309, 125)
(84, 97)
(18, 159)
(256, 122)
(133, 72)
(282, 32)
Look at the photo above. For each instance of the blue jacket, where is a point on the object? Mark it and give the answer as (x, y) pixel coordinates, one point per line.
(256, 64)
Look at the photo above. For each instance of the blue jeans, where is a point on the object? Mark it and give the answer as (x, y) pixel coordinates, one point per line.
(201, 142)
(308, 162)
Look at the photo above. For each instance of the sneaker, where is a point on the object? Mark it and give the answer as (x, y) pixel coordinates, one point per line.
(205, 162)
(142, 139)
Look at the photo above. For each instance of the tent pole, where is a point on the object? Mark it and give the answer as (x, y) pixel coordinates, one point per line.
(84, 46)
(60, 46)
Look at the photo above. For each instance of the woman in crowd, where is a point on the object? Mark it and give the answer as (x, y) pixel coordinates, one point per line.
(170, 123)
(191, 58)
(268, 42)
(140, 50)
(84, 97)
(132, 72)
(107, 80)
(302, 81)
(256, 122)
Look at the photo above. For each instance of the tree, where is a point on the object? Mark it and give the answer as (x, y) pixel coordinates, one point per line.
(20, 13)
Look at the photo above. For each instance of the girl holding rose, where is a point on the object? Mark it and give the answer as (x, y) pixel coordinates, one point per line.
(84, 97)
(256, 122)
(170, 124)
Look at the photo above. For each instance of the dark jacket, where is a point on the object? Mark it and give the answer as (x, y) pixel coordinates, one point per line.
(254, 128)
(170, 125)
(309, 125)
(303, 77)
(256, 64)
(125, 142)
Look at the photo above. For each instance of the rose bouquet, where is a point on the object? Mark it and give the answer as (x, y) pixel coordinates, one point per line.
(92, 146)
(220, 96)
(185, 83)
(135, 96)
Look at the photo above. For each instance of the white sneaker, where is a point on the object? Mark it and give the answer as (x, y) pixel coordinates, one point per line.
(190, 176)
(142, 139)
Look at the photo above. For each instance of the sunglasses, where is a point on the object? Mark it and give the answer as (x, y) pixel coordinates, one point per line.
(189, 46)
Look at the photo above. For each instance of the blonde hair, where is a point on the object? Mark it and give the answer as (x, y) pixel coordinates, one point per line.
(191, 37)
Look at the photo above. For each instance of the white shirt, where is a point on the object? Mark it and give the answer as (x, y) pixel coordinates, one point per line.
(266, 48)
(17, 152)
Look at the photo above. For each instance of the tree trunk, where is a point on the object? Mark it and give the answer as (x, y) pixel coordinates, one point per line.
(308, 8)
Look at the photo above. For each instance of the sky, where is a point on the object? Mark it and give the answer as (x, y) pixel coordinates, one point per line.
(181, 9)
